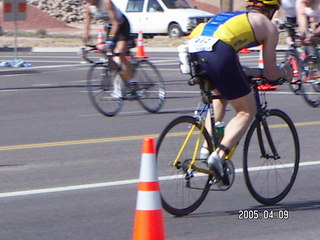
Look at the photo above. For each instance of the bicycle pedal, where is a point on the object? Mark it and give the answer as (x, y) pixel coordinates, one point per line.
(213, 181)
(227, 180)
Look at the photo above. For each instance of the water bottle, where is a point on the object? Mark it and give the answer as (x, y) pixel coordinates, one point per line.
(183, 58)
(219, 126)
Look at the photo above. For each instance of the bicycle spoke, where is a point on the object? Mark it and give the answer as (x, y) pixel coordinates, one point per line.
(151, 92)
(182, 190)
(105, 89)
(270, 172)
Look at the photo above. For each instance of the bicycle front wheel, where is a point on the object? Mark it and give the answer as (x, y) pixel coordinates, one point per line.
(151, 90)
(105, 89)
(182, 191)
(310, 88)
(271, 157)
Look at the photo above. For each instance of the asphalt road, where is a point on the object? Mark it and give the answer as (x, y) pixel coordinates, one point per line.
(67, 172)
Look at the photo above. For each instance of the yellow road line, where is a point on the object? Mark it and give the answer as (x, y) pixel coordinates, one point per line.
(76, 142)
(106, 140)
(302, 124)
(307, 123)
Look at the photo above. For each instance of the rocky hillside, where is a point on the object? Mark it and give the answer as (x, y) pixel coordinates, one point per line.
(69, 11)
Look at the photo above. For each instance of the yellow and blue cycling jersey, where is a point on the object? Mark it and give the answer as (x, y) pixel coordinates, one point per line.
(232, 28)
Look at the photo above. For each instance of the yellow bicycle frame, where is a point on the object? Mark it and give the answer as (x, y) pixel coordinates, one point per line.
(196, 149)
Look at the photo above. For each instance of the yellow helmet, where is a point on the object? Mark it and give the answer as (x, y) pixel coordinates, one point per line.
(271, 3)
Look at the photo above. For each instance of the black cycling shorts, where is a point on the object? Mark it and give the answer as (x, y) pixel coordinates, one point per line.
(124, 30)
(224, 71)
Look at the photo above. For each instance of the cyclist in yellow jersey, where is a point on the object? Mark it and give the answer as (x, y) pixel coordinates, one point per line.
(216, 43)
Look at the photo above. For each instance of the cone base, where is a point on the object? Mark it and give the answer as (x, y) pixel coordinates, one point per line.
(140, 54)
(148, 225)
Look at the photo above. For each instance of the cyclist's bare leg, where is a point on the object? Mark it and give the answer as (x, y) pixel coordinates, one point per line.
(126, 72)
(219, 108)
(246, 109)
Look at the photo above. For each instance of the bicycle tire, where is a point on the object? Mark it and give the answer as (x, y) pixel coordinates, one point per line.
(179, 196)
(151, 89)
(105, 89)
(270, 179)
(310, 88)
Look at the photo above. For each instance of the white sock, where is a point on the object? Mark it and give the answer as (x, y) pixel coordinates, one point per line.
(204, 153)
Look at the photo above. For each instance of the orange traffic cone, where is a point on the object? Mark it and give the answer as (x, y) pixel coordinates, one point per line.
(100, 41)
(140, 48)
(264, 87)
(148, 224)
(244, 50)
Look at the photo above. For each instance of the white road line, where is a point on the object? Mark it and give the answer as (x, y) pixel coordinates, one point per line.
(104, 184)
(67, 188)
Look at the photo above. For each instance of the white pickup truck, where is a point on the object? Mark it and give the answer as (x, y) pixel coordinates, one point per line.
(174, 18)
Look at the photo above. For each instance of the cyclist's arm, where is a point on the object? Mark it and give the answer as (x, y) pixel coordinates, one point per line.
(267, 34)
(113, 18)
(302, 18)
(252, 72)
(87, 22)
(316, 32)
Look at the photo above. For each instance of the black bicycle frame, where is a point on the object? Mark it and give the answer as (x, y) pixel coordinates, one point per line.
(261, 118)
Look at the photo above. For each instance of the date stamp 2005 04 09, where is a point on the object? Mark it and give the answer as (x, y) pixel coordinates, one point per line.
(252, 214)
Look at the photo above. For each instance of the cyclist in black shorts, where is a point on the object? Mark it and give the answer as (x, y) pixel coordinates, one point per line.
(216, 44)
(117, 28)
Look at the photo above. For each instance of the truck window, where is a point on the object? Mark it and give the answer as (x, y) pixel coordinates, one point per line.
(154, 6)
(177, 4)
(135, 6)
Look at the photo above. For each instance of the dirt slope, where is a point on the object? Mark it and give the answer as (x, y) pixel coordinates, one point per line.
(36, 19)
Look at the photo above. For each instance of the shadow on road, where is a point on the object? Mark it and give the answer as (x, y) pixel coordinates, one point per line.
(291, 207)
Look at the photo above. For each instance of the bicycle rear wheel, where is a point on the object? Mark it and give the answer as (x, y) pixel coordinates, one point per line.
(181, 193)
(151, 90)
(271, 157)
(310, 88)
(105, 89)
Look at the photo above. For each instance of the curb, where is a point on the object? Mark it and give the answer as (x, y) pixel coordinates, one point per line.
(20, 49)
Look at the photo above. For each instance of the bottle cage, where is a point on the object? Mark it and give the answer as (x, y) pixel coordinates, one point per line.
(199, 76)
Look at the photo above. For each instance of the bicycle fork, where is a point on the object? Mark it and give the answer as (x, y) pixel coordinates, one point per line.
(263, 127)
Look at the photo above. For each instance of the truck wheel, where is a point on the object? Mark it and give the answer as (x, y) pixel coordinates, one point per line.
(174, 31)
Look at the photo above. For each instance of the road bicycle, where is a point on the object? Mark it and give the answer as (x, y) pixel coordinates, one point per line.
(107, 90)
(271, 155)
(306, 64)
